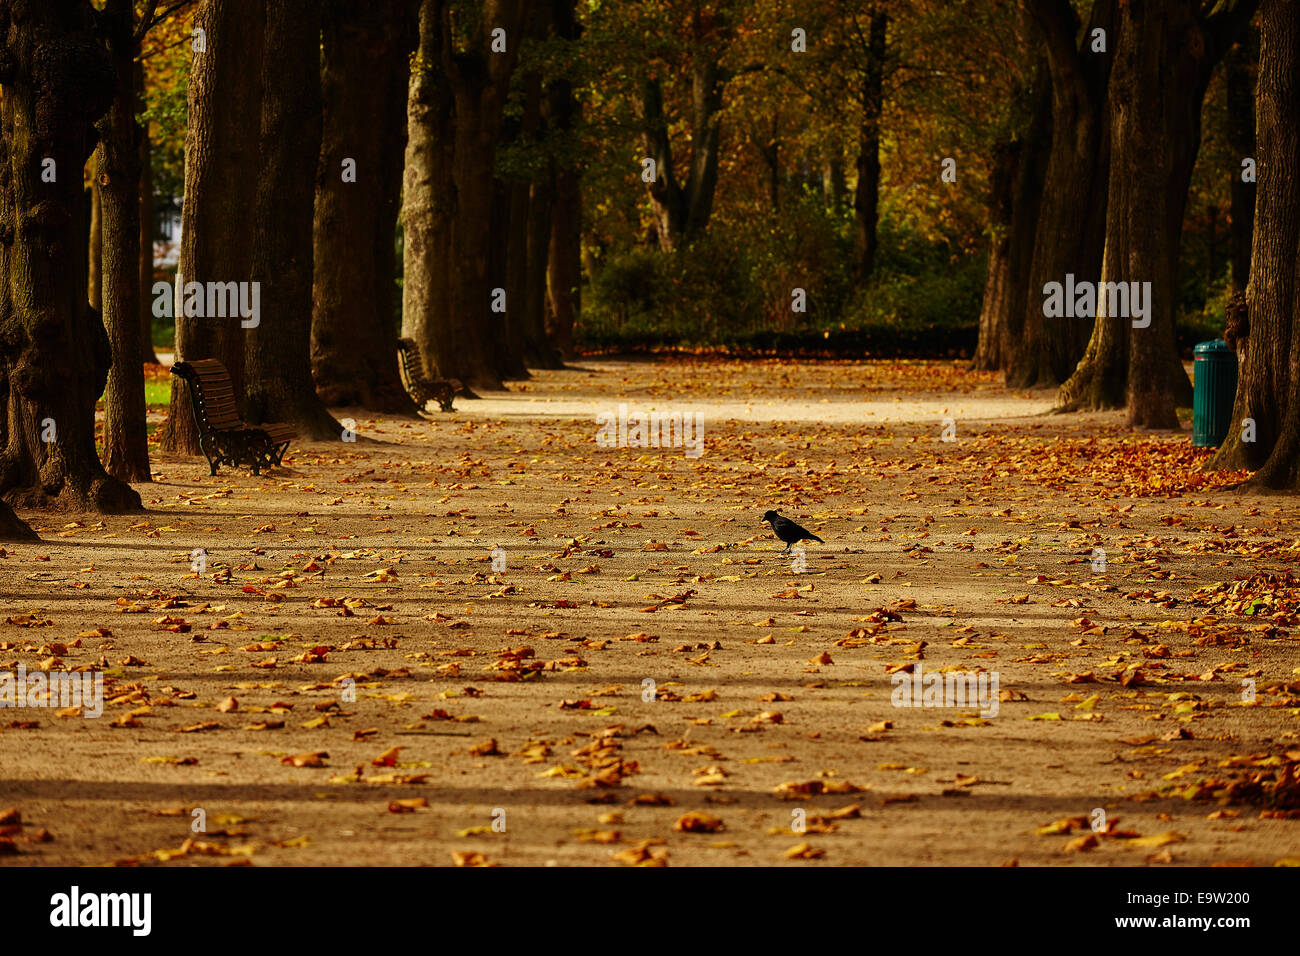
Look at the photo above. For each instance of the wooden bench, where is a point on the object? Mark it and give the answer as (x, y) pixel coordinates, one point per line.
(225, 439)
(419, 386)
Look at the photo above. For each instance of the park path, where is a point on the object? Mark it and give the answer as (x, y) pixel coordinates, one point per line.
(491, 639)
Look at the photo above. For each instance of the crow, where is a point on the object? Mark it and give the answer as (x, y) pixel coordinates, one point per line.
(788, 531)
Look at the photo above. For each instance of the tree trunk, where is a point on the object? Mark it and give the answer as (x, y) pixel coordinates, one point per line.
(95, 261)
(564, 261)
(126, 445)
(707, 81)
(480, 80)
(564, 258)
(1268, 386)
(866, 195)
(538, 350)
(682, 209)
(1016, 192)
(428, 202)
(666, 196)
(530, 203)
(54, 353)
(221, 176)
(278, 383)
(508, 269)
(145, 164)
(13, 528)
(768, 146)
(510, 206)
(833, 186)
(456, 104)
(1148, 141)
(1070, 226)
(364, 71)
(1240, 67)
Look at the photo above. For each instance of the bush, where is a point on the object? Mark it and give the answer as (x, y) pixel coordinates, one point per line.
(732, 287)
(724, 286)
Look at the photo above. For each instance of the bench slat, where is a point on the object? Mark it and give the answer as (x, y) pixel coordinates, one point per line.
(228, 440)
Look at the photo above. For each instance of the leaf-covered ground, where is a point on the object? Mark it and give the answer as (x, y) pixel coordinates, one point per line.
(1149, 712)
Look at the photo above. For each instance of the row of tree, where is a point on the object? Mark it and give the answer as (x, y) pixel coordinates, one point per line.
(1093, 181)
(296, 159)
(365, 106)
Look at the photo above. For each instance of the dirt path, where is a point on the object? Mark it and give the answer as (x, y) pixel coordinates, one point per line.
(349, 605)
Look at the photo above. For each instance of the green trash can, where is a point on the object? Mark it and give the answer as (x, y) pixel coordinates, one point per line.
(1214, 386)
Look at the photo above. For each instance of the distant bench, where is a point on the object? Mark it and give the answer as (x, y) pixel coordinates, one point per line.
(419, 386)
(225, 439)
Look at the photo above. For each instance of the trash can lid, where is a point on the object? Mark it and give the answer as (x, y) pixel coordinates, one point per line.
(1215, 345)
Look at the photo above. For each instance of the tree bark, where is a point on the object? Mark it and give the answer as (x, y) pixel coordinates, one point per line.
(539, 352)
(126, 447)
(508, 269)
(1268, 385)
(221, 176)
(54, 354)
(767, 143)
(866, 194)
(564, 258)
(428, 205)
(145, 164)
(529, 201)
(564, 262)
(833, 186)
(1240, 68)
(1016, 190)
(95, 261)
(480, 80)
(682, 208)
(457, 99)
(364, 69)
(1069, 229)
(278, 384)
(510, 211)
(14, 528)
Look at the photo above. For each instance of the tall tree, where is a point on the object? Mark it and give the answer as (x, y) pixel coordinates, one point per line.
(278, 382)
(866, 194)
(1015, 198)
(427, 206)
(144, 162)
(1265, 433)
(1164, 56)
(365, 52)
(682, 206)
(1240, 67)
(221, 175)
(54, 354)
(454, 118)
(525, 163)
(564, 258)
(1069, 229)
(117, 174)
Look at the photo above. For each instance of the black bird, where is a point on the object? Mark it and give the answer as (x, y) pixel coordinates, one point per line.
(788, 531)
